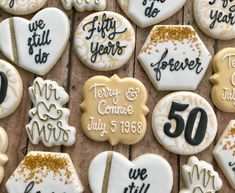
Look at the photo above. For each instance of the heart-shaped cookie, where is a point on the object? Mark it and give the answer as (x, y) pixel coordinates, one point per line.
(35, 45)
(150, 12)
(111, 172)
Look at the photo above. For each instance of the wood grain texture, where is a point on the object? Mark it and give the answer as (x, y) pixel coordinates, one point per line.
(72, 74)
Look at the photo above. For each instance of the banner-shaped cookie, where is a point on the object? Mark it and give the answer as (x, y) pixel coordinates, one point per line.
(223, 91)
(114, 109)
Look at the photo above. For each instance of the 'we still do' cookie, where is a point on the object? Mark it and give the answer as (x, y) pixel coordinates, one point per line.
(104, 41)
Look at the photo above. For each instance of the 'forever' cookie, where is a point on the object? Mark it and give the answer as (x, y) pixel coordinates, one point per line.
(35, 45)
(199, 176)
(49, 119)
(84, 5)
(22, 7)
(174, 57)
(114, 109)
(111, 172)
(3, 150)
(104, 41)
(45, 172)
(149, 12)
(216, 18)
(11, 89)
(224, 153)
(223, 91)
(184, 123)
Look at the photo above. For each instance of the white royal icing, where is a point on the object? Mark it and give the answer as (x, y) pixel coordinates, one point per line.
(112, 172)
(35, 45)
(3, 149)
(49, 119)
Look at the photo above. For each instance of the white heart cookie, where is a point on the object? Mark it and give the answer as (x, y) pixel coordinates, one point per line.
(199, 176)
(35, 45)
(111, 172)
(224, 153)
(104, 41)
(84, 5)
(3, 149)
(184, 123)
(22, 7)
(11, 89)
(150, 12)
(174, 57)
(49, 120)
(45, 172)
(216, 18)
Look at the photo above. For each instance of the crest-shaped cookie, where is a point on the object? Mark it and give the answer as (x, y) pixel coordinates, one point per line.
(3, 150)
(224, 153)
(223, 90)
(114, 109)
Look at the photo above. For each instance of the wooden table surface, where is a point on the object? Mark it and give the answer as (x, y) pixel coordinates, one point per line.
(72, 74)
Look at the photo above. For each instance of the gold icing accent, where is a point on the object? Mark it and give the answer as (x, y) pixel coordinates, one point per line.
(107, 172)
(13, 41)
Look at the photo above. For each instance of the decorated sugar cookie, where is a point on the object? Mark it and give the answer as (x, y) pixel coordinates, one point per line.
(184, 123)
(45, 172)
(216, 18)
(49, 119)
(84, 5)
(22, 7)
(112, 172)
(35, 45)
(114, 109)
(104, 41)
(149, 12)
(174, 57)
(11, 89)
(224, 153)
(223, 80)
(199, 176)
(3, 149)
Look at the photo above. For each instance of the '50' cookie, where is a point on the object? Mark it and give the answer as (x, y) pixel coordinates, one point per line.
(114, 109)
(184, 123)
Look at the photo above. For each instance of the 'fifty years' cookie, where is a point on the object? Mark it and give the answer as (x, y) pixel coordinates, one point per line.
(84, 5)
(49, 119)
(104, 41)
(3, 149)
(114, 109)
(22, 7)
(35, 45)
(184, 123)
(223, 91)
(45, 172)
(199, 176)
(216, 18)
(111, 172)
(11, 89)
(174, 57)
(224, 153)
(149, 12)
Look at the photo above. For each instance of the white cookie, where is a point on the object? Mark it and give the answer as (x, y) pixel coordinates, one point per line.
(224, 153)
(216, 18)
(49, 120)
(35, 45)
(11, 89)
(22, 7)
(199, 176)
(184, 123)
(150, 12)
(111, 172)
(104, 41)
(84, 5)
(45, 172)
(3, 150)
(174, 57)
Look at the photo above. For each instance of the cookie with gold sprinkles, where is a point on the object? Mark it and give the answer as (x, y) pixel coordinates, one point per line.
(174, 57)
(45, 172)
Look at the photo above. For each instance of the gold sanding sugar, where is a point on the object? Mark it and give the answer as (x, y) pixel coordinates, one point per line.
(39, 166)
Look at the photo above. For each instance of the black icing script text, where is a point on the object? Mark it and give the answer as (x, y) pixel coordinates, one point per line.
(151, 11)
